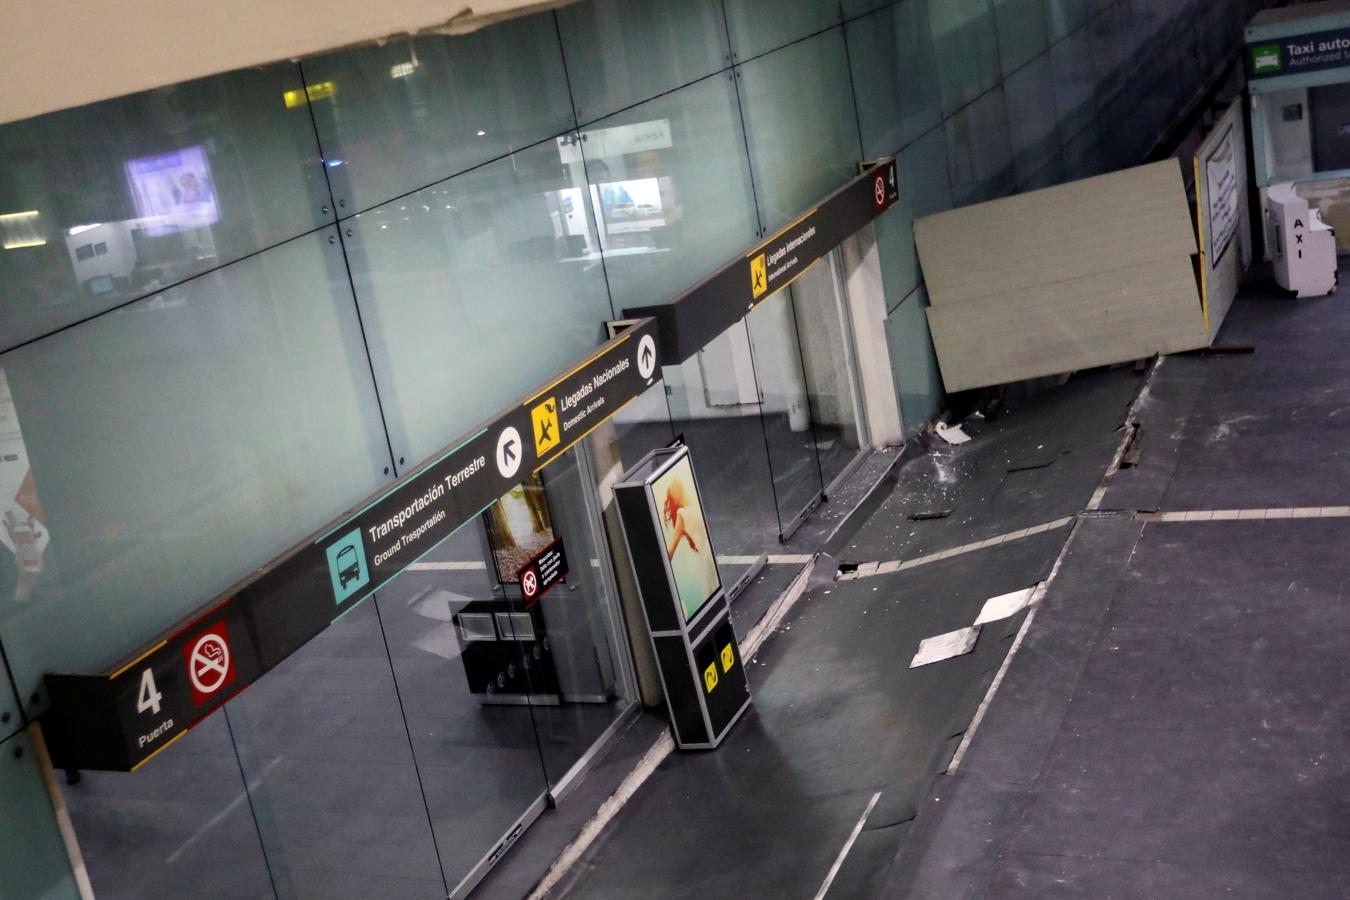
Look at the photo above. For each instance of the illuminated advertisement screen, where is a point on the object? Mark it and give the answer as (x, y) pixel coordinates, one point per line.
(173, 191)
(519, 526)
(686, 536)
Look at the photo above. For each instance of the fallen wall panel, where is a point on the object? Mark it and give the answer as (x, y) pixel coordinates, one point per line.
(1091, 320)
(1083, 274)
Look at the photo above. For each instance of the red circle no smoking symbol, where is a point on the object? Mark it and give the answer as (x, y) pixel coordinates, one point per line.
(209, 663)
(879, 190)
(529, 584)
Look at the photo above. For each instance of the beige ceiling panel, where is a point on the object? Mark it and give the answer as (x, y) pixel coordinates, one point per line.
(70, 53)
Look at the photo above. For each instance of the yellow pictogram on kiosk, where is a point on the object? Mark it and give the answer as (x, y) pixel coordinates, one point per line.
(728, 658)
(547, 434)
(710, 677)
(759, 277)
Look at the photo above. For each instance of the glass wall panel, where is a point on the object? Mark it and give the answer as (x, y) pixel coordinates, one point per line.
(1075, 83)
(670, 186)
(462, 681)
(110, 202)
(620, 52)
(1064, 16)
(182, 820)
(802, 130)
(33, 860)
(854, 8)
(1082, 154)
(1032, 125)
(410, 112)
(913, 361)
(331, 779)
(758, 26)
(476, 289)
(1107, 54)
(181, 441)
(965, 47)
(924, 189)
(1021, 32)
(979, 153)
(714, 403)
(785, 407)
(894, 76)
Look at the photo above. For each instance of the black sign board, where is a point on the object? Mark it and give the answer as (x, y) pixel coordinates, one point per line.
(547, 568)
(715, 304)
(1276, 57)
(119, 718)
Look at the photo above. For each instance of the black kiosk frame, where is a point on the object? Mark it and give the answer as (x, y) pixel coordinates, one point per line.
(697, 654)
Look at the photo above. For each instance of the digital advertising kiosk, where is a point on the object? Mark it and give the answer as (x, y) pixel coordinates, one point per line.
(683, 601)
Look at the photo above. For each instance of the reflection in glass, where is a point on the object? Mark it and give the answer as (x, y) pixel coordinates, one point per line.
(794, 166)
(214, 424)
(758, 26)
(332, 782)
(785, 408)
(406, 113)
(620, 52)
(184, 819)
(110, 202)
(490, 278)
(671, 190)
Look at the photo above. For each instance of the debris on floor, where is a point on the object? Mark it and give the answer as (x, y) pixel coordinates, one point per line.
(952, 434)
(1005, 605)
(945, 646)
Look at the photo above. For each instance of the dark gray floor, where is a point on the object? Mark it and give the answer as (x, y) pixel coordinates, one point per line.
(1177, 720)
(838, 715)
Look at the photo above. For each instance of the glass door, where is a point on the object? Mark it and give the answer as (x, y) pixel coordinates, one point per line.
(785, 410)
(824, 331)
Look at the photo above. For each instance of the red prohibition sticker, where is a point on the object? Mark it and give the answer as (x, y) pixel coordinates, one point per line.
(210, 663)
(879, 190)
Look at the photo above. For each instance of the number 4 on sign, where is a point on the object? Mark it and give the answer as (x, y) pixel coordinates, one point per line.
(147, 700)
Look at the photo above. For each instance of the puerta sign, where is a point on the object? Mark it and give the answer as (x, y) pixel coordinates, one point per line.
(121, 717)
(1273, 57)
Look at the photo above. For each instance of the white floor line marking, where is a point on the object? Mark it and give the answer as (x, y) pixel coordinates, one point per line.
(848, 845)
(773, 559)
(476, 565)
(1041, 590)
(1247, 515)
(607, 811)
(755, 637)
(866, 570)
(663, 747)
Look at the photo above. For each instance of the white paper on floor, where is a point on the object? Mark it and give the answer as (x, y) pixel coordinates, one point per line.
(952, 434)
(1005, 605)
(945, 646)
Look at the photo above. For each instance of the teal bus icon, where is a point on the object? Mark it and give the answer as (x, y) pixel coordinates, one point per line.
(347, 565)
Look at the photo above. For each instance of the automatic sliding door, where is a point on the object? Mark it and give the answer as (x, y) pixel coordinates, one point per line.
(784, 410)
(825, 336)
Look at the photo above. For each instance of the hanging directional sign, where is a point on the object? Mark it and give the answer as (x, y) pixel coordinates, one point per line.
(121, 717)
(722, 299)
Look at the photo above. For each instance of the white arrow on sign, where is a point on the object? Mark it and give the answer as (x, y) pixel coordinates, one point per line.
(646, 356)
(508, 451)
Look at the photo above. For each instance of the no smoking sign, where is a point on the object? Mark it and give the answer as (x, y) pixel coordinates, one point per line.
(210, 663)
